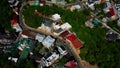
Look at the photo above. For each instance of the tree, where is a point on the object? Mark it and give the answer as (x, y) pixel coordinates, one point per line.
(5, 12)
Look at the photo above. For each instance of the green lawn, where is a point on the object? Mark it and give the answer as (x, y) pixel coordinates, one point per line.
(96, 50)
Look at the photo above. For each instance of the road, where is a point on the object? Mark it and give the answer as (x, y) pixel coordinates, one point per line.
(70, 46)
(104, 24)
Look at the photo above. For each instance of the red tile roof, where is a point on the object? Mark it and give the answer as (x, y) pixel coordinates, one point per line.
(42, 1)
(112, 11)
(71, 64)
(27, 33)
(75, 41)
(14, 22)
(14, 19)
(64, 34)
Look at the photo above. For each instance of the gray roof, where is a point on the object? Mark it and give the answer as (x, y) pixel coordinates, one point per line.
(48, 22)
(58, 30)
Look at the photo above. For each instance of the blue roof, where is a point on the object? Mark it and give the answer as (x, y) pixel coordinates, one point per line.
(96, 22)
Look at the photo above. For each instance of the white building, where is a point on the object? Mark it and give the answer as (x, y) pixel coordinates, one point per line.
(62, 50)
(56, 17)
(17, 27)
(13, 59)
(40, 37)
(48, 42)
(49, 59)
(60, 28)
(66, 26)
(14, 3)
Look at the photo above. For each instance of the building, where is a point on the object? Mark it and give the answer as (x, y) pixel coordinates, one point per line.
(42, 2)
(14, 3)
(13, 59)
(77, 43)
(39, 37)
(27, 33)
(50, 58)
(65, 34)
(56, 17)
(117, 6)
(89, 24)
(96, 22)
(58, 29)
(73, 7)
(111, 36)
(48, 42)
(24, 53)
(33, 2)
(109, 10)
(91, 3)
(14, 23)
(58, 2)
(7, 48)
(62, 50)
(47, 24)
(71, 64)
(66, 26)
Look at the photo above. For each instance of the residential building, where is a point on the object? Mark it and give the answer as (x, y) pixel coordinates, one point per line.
(33, 2)
(27, 33)
(89, 24)
(91, 3)
(104, 20)
(13, 59)
(7, 48)
(58, 2)
(14, 3)
(117, 6)
(58, 29)
(110, 11)
(47, 24)
(66, 26)
(77, 43)
(56, 17)
(14, 23)
(50, 58)
(42, 2)
(62, 50)
(24, 53)
(111, 36)
(39, 37)
(48, 42)
(71, 64)
(17, 27)
(73, 7)
(7, 38)
(65, 34)
(95, 22)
